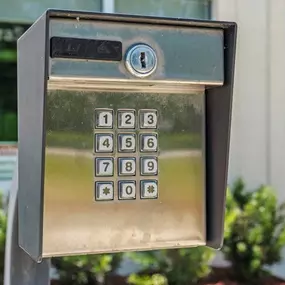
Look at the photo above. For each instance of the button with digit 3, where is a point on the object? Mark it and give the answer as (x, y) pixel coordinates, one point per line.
(149, 165)
(104, 143)
(148, 119)
(127, 166)
(104, 166)
(126, 119)
(127, 190)
(148, 142)
(103, 118)
(104, 191)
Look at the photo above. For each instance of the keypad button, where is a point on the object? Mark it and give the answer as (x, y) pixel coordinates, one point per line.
(126, 119)
(149, 166)
(148, 119)
(127, 166)
(104, 143)
(104, 166)
(104, 191)
(148, 142)
(149, 189)
(126, 142)
(103, 118)
(127, 190)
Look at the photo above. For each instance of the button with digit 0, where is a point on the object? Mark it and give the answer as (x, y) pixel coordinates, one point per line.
(127, 190)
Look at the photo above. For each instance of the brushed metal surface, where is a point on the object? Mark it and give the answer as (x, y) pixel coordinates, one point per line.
(75, 223)
(186, 54)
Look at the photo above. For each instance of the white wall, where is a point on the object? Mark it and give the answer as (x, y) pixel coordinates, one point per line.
(258, 124)
(249, 137)
(257, 150)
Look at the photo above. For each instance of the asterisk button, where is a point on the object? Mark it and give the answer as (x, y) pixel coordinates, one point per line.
(104, 191)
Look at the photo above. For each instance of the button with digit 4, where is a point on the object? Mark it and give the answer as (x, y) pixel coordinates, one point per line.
(127, 190)
(104, 143)
(104, 191)
(148, 142)
(104, 166)
(127, 142)
(148, 119)
(149, 165)
(126, 119)
(149, 189)
(104, 118)
(127, 166)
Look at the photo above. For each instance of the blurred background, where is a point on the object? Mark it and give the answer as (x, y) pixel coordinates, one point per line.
(254, 228)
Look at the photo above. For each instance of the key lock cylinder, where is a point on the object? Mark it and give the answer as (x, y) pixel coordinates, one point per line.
(141, 60)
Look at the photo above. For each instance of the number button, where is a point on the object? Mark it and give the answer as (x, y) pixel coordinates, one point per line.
(127, 190)
(148, 119)
(104, 166)
(104, 143)
(127, 166)
(148, 142)
(103, 118)
(126, 119)
(104, 191)
(149, 189)
(149, 166)
(126, 142)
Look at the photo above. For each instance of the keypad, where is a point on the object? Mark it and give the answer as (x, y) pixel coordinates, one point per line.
(125, 151)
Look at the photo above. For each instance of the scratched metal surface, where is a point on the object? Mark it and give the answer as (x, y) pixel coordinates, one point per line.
(75, 223)
(185, 54)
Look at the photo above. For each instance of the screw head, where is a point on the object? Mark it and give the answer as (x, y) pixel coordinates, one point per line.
(141, 60)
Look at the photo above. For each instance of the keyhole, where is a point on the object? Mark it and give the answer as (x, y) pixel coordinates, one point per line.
(142, 59)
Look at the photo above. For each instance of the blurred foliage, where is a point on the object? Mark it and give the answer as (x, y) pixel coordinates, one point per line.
(178, 266)
(155, 279)
(254, 238)
(254, 231)
(3, 226)
(86, 269)
(84, 141)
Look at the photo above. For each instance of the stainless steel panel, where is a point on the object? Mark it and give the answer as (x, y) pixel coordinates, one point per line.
(75, 223)
(184, 53)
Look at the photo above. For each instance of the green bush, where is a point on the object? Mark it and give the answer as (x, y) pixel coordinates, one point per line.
(85, 269)
(178, 266)
(155, 279)
(254, 231)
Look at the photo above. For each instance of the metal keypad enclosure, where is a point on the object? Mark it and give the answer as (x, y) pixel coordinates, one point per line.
(119, 161)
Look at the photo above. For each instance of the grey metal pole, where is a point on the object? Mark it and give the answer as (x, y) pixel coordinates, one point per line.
(20, 269)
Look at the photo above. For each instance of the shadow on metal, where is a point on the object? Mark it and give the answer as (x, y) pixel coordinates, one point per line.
(20, 269)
